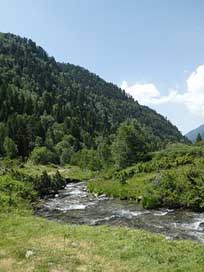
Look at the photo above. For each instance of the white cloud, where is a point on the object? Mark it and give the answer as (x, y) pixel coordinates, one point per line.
(192, 98)
(144, 93)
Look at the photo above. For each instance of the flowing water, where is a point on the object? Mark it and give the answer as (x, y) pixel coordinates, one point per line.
(76, 205)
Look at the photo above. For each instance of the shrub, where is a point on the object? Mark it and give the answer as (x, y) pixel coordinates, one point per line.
(46, 184)
(42, 155)
(132, 144)
(14, 192)
(10, 148)
(87, 158)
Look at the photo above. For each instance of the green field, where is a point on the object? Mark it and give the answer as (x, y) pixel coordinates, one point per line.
(30, 243)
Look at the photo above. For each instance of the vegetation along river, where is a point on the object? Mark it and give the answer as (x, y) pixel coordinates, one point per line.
(76, 205)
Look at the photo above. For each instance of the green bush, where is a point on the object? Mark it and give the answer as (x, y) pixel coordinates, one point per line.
(14, 192)
(174, 178)
(42, 155)
(131, 144)
(46, 184)
(177, 189)
(10, 148)
(87, 159)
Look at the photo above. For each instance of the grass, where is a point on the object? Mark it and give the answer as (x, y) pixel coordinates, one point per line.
(29, 243)
(132, 189)
(58, 247)
(67, 171)
(173, 178)
(38, 180)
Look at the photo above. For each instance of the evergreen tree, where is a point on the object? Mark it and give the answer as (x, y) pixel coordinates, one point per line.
(199, 138)
(42, 101)
(42, 155)
(130, 145)
(10, 148)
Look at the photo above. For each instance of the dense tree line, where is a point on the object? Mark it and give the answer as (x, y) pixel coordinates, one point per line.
(64, 110)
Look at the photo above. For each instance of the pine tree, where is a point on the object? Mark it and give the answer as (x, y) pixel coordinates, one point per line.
(10, 148)
(199, 138)
(131, 144)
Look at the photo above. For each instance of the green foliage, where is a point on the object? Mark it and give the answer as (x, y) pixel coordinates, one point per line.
(15, 193)
(64, 149)
(58, 182)
(104, 151)
(172, 157)
(46, 184)
(174, 178)
(87, 158)
(42, 101)
(199, 138)
(10, 148)
(42, 155)
(65, 156)
(68, 172)
(131, 144)
(181, 189)
(43, 183)
(3, 134)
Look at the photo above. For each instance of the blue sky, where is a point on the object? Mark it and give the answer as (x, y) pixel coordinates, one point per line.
(153, 48)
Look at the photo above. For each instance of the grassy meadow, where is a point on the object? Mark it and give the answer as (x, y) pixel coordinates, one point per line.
(173, 177)
(29, 243)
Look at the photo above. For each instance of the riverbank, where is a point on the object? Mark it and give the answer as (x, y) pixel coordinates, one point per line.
(173, 178)
(75, 205)
(29, 243)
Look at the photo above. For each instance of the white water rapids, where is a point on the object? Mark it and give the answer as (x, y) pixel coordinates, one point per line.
(76, 205)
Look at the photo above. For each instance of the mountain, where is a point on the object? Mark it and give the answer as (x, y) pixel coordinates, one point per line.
(192, 135)
(42, 101)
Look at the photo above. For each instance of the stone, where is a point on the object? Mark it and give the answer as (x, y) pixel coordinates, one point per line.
(29, 253)
(201, 226)
(74, 244)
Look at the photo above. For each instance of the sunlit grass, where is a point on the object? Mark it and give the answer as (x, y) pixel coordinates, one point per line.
(58, 247)
(67, 171)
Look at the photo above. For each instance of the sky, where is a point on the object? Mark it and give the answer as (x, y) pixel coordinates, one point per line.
(154, 49)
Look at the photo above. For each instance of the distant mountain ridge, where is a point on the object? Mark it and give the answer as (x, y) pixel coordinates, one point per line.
(192, 135)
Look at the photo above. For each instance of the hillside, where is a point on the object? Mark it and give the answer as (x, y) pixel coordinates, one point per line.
(192, 135)
(42, 101)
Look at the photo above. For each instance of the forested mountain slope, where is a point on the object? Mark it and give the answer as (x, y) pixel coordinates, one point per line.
(43, 100)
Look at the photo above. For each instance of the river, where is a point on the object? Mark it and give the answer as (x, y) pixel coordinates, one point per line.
(76, 205)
